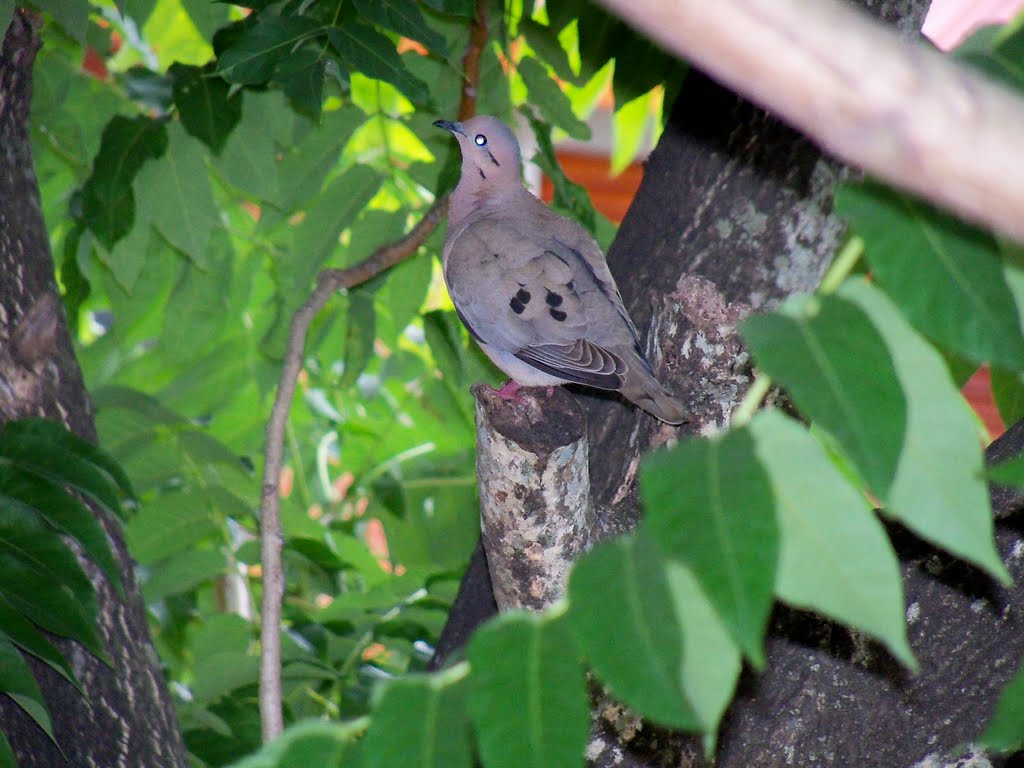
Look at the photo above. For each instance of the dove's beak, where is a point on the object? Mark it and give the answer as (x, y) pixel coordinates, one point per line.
(448, 125)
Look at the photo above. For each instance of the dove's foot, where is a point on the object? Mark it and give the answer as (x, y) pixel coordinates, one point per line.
(510, 391)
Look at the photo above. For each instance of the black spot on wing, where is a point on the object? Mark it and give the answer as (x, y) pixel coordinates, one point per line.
(516, 305)
(558, 314)
(523, 295)
(553, 299)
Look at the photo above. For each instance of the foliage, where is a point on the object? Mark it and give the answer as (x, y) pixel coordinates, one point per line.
(196, 175)
(194, 191)
(46, 476)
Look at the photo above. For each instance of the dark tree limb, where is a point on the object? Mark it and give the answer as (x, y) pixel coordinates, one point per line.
(125, 716)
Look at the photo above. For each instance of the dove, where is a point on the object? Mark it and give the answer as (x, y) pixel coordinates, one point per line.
(533, 287)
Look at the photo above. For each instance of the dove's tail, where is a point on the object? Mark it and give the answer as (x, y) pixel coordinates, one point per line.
(646, 392)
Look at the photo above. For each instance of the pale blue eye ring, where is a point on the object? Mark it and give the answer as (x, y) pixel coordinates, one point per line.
(480, 140)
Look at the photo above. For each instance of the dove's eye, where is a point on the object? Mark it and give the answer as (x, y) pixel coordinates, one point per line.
(480, 140)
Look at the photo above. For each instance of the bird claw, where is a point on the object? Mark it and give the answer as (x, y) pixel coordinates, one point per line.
(510, 391)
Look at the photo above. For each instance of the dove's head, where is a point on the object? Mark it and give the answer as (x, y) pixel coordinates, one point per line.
(490, 152)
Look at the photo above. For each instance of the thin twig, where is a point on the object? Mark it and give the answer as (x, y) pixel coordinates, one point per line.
(896, 109)
(328, 281)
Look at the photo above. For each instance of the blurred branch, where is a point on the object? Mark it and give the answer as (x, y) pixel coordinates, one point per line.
(899, 111)
(328, 281)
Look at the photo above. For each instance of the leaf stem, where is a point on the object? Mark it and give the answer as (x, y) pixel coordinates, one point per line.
(841, 267)
(752, 400)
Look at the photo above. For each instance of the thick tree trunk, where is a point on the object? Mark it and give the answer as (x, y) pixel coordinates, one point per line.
(126, 717)
(734, 214)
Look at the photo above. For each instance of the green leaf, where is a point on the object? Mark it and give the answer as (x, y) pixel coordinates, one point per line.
(723, 527)
(129, 256)
(528, 696)
(6, 753)
(252, 58)
(630, 126)
(169, 524)
(945, 275)
(6, 14)
(175, 193)
(549, 97)
(43, 580)
(835, 365)
(308, 743)
(16, 681)
(1005, 731)
(247, 160)
(1008, 394)
(302, 79)
(71, 15)
(201, 302)
(361, 330)
(62, 511)
(207, 109)
(305, 165)
(545, 43)
(570, 198)
(108, 207)
(939, 490)
(219, 674)
(363, 49)
(24, 634)
(834, 556)
(316, 238)
(49, 450)
(404, 18)
(996, 51)
(420, 721)
(1010, 472)
(683, 666)
(181, 572)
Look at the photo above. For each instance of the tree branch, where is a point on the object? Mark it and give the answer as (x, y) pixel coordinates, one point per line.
(535, 512)
(902, 112)
(328, 281)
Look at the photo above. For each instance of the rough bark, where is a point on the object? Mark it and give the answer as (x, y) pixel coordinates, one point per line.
(126, 717)
(535, 512)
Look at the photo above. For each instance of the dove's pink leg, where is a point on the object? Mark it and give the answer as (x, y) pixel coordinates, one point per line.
(510, 391)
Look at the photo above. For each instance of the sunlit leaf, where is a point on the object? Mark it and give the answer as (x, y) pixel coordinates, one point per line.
(723, 527)
(834, 363)
(946, 276)
(939, 490)
(528, 697)
(545, 94)
(365, 50)
(420, 721)
(834, 556)
(685, 665)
